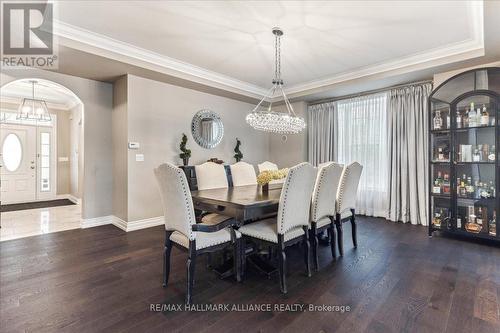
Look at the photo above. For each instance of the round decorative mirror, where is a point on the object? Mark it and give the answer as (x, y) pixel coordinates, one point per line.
(207, 129)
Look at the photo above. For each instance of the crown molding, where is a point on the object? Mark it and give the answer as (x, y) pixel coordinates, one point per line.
(92, 42)
(17, 100)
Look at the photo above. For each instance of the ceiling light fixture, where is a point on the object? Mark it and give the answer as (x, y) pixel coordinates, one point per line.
(265, 119)
(33, 108)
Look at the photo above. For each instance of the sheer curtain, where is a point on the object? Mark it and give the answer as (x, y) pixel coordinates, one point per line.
(321, 143)
(361, 135)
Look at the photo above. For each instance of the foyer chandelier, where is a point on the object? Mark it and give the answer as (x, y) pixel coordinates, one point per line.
(33, 108)
(265, 119)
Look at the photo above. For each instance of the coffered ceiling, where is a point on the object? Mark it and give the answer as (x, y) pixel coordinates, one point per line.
(229, 45)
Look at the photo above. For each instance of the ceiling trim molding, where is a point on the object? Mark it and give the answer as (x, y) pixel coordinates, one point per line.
(131, 52)
(464, 50)
(14, 100)
(92, 42)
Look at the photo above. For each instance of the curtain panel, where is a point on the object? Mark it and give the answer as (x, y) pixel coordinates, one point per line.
(321, 134)
(408, 154)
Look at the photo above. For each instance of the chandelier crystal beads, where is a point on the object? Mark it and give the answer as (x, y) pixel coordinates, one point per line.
(265, 119)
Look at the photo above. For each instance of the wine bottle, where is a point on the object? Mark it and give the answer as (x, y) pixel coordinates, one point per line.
(438, 121)
(485, 116)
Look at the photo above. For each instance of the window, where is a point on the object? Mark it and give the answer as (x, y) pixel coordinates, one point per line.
(12, 151)
(44, 162)
(362, 137)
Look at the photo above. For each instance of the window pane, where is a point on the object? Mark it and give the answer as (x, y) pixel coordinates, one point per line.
(45, 162)
(12, 152)
(45, 150)
(45, 138)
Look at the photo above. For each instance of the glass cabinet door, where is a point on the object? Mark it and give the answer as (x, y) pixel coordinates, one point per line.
(440, 171)
(475, 151)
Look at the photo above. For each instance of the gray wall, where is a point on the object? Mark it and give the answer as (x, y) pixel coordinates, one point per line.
(97, 98)
(120, 154)
(157, 115)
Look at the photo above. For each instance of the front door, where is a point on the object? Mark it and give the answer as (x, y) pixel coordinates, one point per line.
(18, 163)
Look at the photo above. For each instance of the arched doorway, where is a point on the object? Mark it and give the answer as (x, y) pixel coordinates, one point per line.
(41, 159)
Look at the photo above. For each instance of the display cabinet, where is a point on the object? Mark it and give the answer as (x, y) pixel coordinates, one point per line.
(464, 168)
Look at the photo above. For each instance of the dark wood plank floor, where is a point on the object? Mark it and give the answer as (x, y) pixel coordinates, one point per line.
(104, 280)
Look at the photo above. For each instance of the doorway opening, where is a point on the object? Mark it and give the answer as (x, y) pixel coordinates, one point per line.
(41, 159)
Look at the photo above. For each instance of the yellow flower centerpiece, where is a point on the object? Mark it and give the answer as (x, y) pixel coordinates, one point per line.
(265, 177)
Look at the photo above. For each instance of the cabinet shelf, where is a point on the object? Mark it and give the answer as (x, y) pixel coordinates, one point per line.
(472, 163)
(466, 129)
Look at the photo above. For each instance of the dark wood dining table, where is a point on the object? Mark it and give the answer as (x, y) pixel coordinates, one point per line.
(243, 203)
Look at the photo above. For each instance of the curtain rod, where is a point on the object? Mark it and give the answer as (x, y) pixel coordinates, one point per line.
(369, 92)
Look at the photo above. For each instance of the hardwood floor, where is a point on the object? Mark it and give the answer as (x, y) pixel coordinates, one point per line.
(103, 279)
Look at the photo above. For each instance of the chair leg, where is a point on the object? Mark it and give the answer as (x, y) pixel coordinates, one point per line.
(237, 259)
(282, 263)
(340, 234)
(331, 235)
(242, 258)
(166, 258)
(191, 264)
(354, 229)
(315, 241)
(307, 252)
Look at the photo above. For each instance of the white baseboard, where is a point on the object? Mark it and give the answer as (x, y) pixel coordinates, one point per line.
(119, 223)
(70, 197)
(123, 225)
(145, 223)
(97, 221)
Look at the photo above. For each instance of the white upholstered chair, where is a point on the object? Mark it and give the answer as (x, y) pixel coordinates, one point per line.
(243, 174)
(323, 205)
(181, 228)
(210, 175)
(346, 202)
(266, 166)
(292, 222)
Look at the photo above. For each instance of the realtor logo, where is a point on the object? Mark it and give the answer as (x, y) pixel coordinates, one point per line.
(28, 30)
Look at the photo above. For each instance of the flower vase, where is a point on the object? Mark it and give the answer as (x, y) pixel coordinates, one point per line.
(265, 188)
(185, 161)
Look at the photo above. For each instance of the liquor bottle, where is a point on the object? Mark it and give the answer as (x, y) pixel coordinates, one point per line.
(492, 152)
(459, 222)
(485, 116)
(440, 154)
(446, 183)
(476, 157)
(469, 187)
(465, 119)
(459, 119)
(438, 121)
(448, 121)
(472, 118)
(479, 218)
(493, 224)
(493, 193)
(437, 217)
(437, 189)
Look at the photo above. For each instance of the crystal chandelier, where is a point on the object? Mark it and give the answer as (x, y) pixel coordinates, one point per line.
(265, 119)
(33, 108)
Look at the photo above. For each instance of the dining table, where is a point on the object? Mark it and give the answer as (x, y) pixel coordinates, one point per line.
(246, 204)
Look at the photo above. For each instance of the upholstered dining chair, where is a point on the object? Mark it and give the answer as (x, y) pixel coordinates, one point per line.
(291, 224)
(210, 175)
(266, 166)
(346, 203)
(243, 174)
(182, 231)
(323, 206)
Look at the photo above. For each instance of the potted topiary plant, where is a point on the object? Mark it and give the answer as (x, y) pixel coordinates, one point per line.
(239, 155)
(186, 153)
